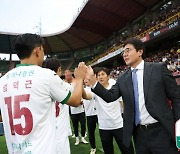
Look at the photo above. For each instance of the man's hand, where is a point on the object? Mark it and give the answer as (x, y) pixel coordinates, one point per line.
(90, 75)
(76, 96)
(80, 72)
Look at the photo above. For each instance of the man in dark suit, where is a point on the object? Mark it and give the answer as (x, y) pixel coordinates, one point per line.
(145, 89)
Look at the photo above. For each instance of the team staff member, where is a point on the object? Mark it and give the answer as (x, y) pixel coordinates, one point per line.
(145, 89)
(91, 114)
(77, 113)
(27, 96)
(78, 116)
(109, 117)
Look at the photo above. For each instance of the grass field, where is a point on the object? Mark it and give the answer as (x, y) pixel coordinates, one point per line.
(85, 148)
(3, 149)
(79, 149)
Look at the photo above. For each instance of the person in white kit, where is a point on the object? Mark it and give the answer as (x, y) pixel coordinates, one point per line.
(77, 113)
(27, 96)
(91, 114)
(71, 81)
(63, 128)
(109, 117)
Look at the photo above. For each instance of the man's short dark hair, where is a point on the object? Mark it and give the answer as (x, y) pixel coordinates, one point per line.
(96, 69)
(52, 64)
(137, 43)
(104, 69)
(25, 43)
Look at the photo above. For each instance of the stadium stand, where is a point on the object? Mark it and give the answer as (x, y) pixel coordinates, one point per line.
(162, 17)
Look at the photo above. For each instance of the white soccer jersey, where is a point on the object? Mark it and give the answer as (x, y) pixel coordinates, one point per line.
(112, 81)
(77, 110)
(63, 129)
(109, 114)
(89, 105)
(27, 96)
(80, 108)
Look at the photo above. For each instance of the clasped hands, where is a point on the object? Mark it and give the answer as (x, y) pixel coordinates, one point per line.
(85, 72)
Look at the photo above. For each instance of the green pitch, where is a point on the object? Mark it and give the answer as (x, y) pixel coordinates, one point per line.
(3, 149)
(79, 149)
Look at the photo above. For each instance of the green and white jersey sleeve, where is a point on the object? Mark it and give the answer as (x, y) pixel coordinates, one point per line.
(58, 90)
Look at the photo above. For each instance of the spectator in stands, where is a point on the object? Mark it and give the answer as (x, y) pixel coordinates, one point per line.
(148, 117)
(177, 77)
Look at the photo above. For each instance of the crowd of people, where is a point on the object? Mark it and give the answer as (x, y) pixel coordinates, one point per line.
(169, 57)
(163, 15)
(35, 103)
(150, 24)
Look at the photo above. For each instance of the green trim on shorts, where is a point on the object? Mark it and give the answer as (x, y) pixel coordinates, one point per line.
(66, 99)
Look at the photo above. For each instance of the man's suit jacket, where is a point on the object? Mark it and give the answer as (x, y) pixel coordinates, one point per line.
(159, 86)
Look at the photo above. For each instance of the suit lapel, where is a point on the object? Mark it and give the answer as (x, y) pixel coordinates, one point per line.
(147, 78)
(128, 81)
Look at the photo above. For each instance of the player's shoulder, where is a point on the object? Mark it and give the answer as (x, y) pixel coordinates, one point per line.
(65, 83)
(112, 81)
(46, 72)
(5, 75)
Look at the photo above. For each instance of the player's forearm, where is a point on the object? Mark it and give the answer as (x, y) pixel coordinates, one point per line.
(84, 95)
(76, 96)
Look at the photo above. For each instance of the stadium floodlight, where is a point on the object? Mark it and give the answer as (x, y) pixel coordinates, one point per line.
(45, 17)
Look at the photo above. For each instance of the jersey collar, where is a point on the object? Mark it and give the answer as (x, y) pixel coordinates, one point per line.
(24, 65)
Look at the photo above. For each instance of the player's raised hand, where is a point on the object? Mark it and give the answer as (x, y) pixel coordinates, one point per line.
(90, 75)
(89, 72)
(80, 72)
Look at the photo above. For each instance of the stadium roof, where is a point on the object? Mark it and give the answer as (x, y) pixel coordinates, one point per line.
(97, 21)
